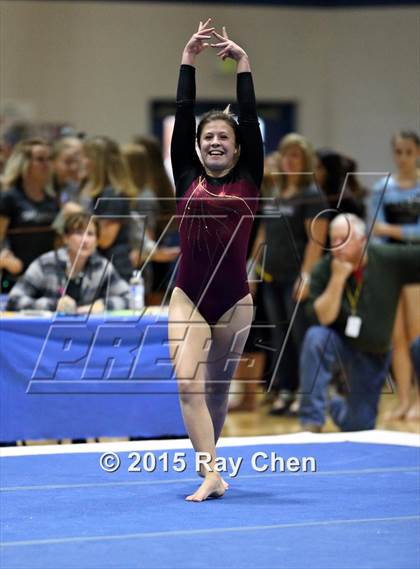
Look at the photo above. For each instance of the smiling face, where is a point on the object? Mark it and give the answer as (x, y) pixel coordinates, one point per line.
(218, 147)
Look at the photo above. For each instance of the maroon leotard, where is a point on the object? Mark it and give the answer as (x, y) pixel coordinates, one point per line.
(215, 215)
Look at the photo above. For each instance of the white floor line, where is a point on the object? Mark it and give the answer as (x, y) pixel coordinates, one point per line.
(150, 481)
(376, 436)
(194, 532)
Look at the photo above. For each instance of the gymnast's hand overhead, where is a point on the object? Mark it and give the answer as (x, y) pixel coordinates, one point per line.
(227, 47)
(197, 43)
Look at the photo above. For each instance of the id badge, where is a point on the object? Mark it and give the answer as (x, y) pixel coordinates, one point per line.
(354, 323)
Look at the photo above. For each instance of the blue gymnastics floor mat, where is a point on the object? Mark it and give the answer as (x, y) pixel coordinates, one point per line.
(356, 506)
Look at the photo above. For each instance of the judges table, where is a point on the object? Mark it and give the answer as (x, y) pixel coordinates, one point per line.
(79, 377)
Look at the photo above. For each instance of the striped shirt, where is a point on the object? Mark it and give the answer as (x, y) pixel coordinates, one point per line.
(45, 282)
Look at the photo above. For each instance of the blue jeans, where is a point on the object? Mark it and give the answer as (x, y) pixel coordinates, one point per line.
(323, 351)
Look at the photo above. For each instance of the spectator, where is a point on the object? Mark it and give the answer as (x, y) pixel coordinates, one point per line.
(3, 155)
(331, 175)
(353, 298)
(256, 366)
(395, 207)
(357, 190)
(158, 179)
(145, 211)
(144, 206)
(294, 239)
(73, 279)
(110, 188)
(67, 168)
(27, 207)
(68, 173)
(160, 184)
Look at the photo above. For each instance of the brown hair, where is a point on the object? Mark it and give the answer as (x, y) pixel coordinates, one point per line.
(216, 115)
(109, 167)
(294, 139)
(139, 164)
(64, 143)
(158, 180)
(80, 221)
(406, 135)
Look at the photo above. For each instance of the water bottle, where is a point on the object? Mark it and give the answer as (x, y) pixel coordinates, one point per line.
(137, 292)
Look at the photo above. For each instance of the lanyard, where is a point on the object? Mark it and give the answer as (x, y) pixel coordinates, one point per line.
(266, 277)
(354, 298)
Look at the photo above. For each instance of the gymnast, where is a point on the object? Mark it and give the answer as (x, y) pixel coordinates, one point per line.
(211, 309)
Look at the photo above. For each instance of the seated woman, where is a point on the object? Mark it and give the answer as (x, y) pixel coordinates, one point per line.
(73, 279)
(27, 208)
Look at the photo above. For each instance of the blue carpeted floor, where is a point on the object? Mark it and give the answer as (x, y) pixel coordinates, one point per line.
(360, 509)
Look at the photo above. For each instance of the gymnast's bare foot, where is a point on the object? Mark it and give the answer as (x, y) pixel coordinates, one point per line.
(399, 413)
(225, 484)
(202, 473)
(413, 414)
(212, 487)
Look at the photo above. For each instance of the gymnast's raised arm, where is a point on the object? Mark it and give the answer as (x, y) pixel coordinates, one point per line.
(252, 152)
(183, 154)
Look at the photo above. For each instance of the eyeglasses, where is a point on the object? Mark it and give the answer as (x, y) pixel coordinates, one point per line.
(42, 159)
(83, 233)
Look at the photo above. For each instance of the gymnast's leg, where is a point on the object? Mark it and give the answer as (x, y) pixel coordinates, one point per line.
(229, 336)
(189, 339)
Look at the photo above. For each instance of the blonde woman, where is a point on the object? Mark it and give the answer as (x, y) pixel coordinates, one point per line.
(145, 202)
(27, 208)
(67, 168)
(160, 184)
(294, 235)
(144, 212)
(110, 189)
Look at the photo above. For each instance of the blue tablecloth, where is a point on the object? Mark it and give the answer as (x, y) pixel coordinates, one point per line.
(87, 377)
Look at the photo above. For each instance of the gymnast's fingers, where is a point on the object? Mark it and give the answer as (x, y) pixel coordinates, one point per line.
(223, 53)
(203, 26)
(219, 36)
